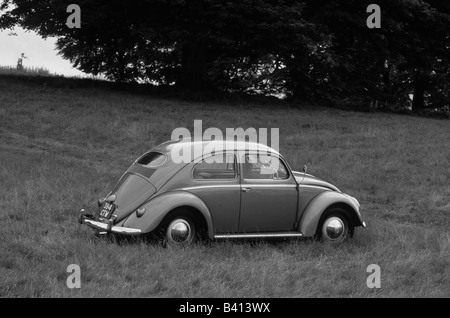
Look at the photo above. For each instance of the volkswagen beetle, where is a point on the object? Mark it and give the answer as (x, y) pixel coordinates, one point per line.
(239, 190)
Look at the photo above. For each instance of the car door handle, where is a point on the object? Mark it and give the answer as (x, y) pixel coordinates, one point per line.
(246, 189)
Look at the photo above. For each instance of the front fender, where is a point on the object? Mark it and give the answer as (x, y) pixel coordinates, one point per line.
(311, 217)
(157, 208)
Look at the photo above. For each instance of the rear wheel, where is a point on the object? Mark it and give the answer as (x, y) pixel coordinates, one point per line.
(334, 227)
(180, 229)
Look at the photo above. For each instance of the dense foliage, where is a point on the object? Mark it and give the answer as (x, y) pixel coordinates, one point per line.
(310, 49)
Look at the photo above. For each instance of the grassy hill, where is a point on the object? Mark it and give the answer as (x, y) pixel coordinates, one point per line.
(61, 149)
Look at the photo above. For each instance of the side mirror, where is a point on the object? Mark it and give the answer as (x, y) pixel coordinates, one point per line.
(305, 168)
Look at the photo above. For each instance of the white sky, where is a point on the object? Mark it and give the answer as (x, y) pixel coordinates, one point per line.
(39, 52)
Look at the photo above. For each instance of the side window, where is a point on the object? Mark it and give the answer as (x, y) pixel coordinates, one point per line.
(264, 167)
(216, 167)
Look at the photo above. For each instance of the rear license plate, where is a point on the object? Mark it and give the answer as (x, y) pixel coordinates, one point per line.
(106, 210)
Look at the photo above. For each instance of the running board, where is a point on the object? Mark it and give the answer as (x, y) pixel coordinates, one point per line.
(258, 235)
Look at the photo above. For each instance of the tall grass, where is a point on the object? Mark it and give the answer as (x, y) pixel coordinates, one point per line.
(30, 71)
(61, 149)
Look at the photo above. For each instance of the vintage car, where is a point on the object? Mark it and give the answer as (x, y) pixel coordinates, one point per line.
(242, 190)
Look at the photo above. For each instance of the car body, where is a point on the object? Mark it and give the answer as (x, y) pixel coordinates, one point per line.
(238, 190)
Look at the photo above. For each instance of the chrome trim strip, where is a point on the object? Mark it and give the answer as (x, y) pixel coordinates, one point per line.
(213, 186)
(313, 186)
(239, 185)
(258, 235)
(115, 229)
(249, 185)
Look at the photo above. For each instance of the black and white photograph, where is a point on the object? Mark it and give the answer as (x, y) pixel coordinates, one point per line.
(223, 156)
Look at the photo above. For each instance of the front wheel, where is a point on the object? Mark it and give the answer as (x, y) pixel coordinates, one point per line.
(334, 228)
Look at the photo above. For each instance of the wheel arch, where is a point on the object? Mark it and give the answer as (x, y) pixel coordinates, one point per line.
(197, 216)
(324, 202)
(163, 205)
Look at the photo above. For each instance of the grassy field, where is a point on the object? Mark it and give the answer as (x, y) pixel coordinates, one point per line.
(62, 149)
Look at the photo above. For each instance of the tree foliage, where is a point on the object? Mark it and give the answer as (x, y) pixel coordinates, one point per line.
(306, 49)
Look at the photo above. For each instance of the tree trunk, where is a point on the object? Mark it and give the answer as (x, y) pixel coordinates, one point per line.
(299, 82)
(420, 85)
(121, 69)
(194, 71)
(386, 75)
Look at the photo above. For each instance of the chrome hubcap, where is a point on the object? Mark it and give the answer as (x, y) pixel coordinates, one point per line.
(179, 231)
(333, 229)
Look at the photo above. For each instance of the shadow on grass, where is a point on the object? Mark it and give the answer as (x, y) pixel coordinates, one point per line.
(157, 240)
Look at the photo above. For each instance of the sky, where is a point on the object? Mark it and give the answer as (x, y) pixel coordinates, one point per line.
(39, 52)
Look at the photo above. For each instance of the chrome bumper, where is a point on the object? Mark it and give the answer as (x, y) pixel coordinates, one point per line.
(107, 227)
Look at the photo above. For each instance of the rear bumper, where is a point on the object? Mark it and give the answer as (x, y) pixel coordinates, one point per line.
(106, 227)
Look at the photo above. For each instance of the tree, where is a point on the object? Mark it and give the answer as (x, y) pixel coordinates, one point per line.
(380, 63)
(165, 40)
(308, 49)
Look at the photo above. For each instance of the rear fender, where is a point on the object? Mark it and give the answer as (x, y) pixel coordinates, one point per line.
(157, 208)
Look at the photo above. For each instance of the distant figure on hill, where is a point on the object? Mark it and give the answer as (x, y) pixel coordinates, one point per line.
(20, 62)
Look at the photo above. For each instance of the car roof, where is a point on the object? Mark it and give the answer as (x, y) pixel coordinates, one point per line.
(238, 145)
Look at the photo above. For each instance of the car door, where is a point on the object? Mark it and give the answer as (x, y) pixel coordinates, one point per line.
(216, 182)
(269, 194)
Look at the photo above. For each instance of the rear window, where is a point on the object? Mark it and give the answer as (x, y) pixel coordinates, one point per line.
(152, 159)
